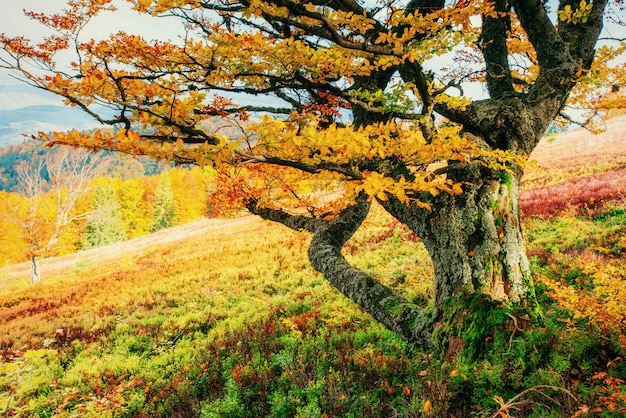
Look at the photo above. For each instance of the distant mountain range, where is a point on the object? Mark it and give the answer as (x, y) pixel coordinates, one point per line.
(26, 110)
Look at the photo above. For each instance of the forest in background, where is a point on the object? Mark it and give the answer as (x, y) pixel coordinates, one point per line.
(116, 165)
(129, 198)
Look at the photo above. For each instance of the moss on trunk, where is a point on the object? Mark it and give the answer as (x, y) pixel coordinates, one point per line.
(471, 325)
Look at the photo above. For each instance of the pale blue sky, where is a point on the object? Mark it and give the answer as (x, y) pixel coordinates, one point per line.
(13, 22)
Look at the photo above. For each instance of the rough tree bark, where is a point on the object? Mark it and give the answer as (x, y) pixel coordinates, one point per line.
(474, 239)
(389, 308)
(476, 244)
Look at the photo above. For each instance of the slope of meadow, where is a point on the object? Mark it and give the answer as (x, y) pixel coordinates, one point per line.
(158, 324)
(224, 318)
(576, 168)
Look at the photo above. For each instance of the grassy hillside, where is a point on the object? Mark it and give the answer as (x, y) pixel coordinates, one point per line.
(224, 318)
(143, 327)
(576, 169)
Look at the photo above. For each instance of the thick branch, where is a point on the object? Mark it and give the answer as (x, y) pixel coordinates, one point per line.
(393, 311)
(552, 52)
(495, 32)
(295, 222)
(506, 124)
(266, 109)
(582, 37)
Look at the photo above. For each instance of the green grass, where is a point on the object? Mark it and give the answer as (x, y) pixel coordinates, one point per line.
(234, 323)
(195, 327)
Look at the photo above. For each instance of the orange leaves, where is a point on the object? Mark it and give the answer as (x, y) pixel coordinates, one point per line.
(20, 47)
(297, 164)
(426, 35)
(143, 5)
(428, 408)
(218, 106)
(600, 87)
(13, 244)
(315, 62)
(75, 16)
(353, 22)
(156, 7)
(604, 305)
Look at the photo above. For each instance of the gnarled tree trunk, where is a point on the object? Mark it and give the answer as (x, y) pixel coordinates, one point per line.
(392, 310)
(395, 312)
(477, 248)
(474, 239)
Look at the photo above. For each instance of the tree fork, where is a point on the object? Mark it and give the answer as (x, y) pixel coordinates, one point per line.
(393, 311)
(396, 313)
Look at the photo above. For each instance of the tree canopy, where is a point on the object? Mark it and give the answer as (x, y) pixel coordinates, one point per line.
(368, 92)
(429, 107)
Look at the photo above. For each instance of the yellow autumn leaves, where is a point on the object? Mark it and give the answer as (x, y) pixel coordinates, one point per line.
(341, 156)
(576, 15)
(380, 160)
(160, 6)
(162, 94)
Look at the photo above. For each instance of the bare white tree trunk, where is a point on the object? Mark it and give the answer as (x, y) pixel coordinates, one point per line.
(66, 174)
(35, 276)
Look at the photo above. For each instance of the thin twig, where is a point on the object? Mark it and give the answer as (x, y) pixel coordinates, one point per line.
(516, 401)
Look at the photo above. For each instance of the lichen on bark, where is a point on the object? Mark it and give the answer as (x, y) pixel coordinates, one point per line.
(476, 245)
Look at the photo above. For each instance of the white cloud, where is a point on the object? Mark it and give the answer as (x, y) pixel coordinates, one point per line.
(20, 95)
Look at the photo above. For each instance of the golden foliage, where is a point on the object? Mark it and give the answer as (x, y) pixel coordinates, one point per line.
(321, 61)
(603, 304)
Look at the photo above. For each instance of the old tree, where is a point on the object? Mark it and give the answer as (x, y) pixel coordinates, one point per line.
(340, 103)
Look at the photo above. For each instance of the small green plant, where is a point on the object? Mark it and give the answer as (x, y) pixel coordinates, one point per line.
(22, 377)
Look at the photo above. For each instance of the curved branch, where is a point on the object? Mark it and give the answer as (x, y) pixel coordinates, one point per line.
(326, 29)
(265, 109)
(393, 311)
(586, 124)
(295, 222)
(299, 165)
